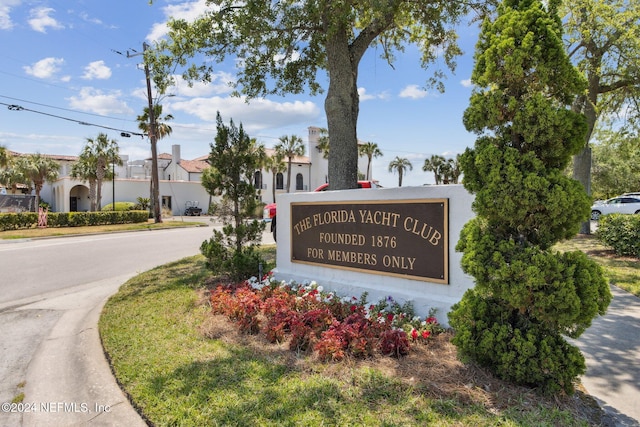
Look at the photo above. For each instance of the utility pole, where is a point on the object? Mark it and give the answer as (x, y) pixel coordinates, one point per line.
(153, 139)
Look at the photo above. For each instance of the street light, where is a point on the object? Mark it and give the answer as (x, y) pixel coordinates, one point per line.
(113, 183)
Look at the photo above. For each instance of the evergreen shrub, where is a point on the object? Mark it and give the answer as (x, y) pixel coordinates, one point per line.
(527, 298)
(71, 219)
(621, 232)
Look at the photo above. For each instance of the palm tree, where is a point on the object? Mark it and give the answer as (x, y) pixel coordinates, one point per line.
(10, 176)
(290, 146)
(434, 164)
(274, 165)
(101, 151)
(38, 169)
(161, 130)
(371, 150)
(323, 142)
(401, 165)
(453, 171)
(4, 156)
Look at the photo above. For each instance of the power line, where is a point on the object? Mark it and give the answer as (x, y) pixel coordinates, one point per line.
(63, 109)
(123, 133)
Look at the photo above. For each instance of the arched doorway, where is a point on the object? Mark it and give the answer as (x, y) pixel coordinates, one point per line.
(79, 199)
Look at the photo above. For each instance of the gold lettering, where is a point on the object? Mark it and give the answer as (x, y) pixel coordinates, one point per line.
(303, 225)
(398, 262)
(435, 239)
(333, 217)
(352, 257)
(315, 253)
(423, 230)
(342, 239)
(388, 219)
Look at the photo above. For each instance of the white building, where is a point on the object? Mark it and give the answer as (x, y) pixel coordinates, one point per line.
(308, 172)
(180, 180)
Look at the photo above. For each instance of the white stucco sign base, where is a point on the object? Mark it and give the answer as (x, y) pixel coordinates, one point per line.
(377, 241)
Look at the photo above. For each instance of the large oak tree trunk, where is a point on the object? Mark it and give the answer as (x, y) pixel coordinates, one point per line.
(582, 160)
(341, 107)
(582, 174)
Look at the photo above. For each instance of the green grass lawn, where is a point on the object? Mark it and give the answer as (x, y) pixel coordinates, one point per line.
(31, 233)
(623, 272)
(182, 366)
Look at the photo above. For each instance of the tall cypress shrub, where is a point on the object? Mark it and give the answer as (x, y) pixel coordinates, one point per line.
(527, 297)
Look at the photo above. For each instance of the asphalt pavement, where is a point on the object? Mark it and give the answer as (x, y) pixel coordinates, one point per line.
(69, 381)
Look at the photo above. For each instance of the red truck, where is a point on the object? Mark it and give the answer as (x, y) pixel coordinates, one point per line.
(269, 212)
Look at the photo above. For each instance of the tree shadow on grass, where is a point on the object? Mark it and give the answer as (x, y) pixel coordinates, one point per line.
(239, 389)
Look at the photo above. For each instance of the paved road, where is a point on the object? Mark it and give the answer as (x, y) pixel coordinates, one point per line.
(51, 295)
(34, 267)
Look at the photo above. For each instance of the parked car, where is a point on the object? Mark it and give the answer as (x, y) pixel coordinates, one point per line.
(622, 204)
(269, 212)
(191, 209)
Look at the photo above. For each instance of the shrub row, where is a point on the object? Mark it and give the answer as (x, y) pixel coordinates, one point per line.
(15, 221)
(315, 321)
(621, 232)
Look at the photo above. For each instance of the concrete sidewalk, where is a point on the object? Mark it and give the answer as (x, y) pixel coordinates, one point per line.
(611, 347)
(69, 378)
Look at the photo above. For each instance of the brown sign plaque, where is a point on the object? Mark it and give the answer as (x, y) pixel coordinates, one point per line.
(406, 238)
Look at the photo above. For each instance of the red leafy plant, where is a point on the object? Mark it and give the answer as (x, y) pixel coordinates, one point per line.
(394, 342)
(314, 320)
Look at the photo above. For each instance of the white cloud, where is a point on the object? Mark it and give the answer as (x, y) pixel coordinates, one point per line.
(364, 96)
(466, 83)
(188, 11)
(96, 101)
(85, 17)
(5, 10)
(413, 92)
(96, 70)
(45, 68)
(256, 115)
(40, 20)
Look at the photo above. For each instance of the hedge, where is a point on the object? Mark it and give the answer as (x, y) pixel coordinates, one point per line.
(15, 221)
(621, 232)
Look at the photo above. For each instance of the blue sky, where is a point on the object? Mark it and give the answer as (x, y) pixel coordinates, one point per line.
(69, 59)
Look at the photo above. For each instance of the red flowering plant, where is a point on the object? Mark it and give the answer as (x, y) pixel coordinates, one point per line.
(277, 307)
(313, 319)
(420, 330)
(332, 344)
(308, 326)
(394, 342)
(240, 303)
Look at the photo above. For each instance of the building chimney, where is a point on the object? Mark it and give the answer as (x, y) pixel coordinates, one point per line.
(175, 154)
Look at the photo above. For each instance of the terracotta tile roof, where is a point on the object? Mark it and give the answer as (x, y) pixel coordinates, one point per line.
(51, 156)
(63, 158)
(193, 166)
(297, 159)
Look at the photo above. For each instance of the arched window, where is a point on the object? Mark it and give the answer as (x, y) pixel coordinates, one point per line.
(279, 181)
(299, 182)
(257, 180)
